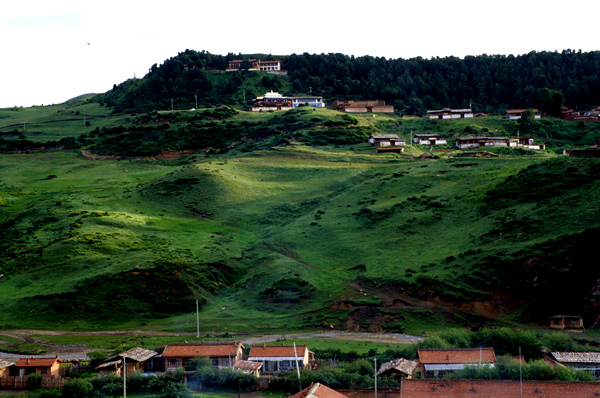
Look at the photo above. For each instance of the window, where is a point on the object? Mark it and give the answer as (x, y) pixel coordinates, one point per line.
(44, 371)
(173, 362)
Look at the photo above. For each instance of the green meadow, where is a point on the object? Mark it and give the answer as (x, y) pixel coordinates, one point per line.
(295, 225)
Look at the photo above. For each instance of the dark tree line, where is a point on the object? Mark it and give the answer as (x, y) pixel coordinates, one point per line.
(490, 83)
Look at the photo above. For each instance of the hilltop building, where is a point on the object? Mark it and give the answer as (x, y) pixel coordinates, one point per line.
(274, 101)
(429, 139)
(362, 106)
(515, 114)
(448, 114)
(257, 65)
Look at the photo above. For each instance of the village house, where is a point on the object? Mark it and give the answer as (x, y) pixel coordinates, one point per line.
(398, 368)
(318, 390)
(386, 140)
(435, 363)
(448, 114)
(566, 322)
(281, 358)
(135, 359)
(415, 388)
(221, 355)
(47, 367)
(362, 106)
(429, 139)
(515, 114)
(477, 142)
(257, 65)
(593, 115)
(589, 360)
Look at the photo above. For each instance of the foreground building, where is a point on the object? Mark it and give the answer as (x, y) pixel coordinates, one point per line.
(589, 360)
(177, 355)
(281, 358)
(436, 363)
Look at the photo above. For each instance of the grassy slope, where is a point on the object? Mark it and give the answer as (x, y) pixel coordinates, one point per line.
(313, 236)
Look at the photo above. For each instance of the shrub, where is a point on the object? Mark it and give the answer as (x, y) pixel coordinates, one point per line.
(34, 381)
(77, 388)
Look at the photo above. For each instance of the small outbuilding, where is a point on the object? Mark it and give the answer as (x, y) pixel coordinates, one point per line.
(398, 368)
(281, 358)
(566, 322)
(318, 390)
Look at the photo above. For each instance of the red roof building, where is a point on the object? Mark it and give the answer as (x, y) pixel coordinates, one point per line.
(177, 355)
(48, 367)
(438, 362)
(318, 390)
(281, 358)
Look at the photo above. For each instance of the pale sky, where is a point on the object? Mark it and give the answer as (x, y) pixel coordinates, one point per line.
(45, 57)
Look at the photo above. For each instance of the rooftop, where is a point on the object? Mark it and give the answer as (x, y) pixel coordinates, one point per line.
(37, 362)
(456, 355)
(276, 351)
(318, 390)
(566, 357)
(200, 350)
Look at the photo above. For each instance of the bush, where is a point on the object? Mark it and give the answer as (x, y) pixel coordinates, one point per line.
(34, 381)
(50, 393)
(77, 388)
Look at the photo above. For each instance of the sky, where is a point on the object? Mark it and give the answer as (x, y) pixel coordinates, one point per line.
(51, 51)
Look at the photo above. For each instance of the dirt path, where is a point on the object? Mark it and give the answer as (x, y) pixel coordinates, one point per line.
(79, 350)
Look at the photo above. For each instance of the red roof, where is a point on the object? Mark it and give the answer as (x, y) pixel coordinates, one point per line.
(457, 355)
(37, 362)
(200, 350)
(414, 388)
(318, 390)
(277, 351)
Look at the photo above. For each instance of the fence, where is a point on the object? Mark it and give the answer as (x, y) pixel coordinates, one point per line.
(20, 383)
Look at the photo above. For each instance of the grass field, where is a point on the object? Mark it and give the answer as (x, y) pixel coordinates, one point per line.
(296, 237)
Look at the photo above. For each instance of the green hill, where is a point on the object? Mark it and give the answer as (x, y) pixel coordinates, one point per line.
(295, 237)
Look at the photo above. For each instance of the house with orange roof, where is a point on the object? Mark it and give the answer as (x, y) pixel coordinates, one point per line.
(221, 355)
(281, 358)
(435, 362)
(47, 367)
(318, 390)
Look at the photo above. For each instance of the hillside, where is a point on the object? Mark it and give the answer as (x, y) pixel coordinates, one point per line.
(296, 237)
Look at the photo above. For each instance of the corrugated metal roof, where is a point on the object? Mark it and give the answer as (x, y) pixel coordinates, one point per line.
(286, 351)
(576, 357)
(107, 364)
(6, 364)
(200, 350)
(402, 365)
(138, 354)
(457, 355)
(247, 366)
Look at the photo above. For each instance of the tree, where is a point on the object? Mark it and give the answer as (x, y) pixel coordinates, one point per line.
(552, 101)
(245, 65)
(525, 123)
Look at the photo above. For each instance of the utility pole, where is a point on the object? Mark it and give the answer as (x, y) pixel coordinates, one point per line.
(297, 367)
(171, 104)
(124, 377)
(375, 376)
(196, 97)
